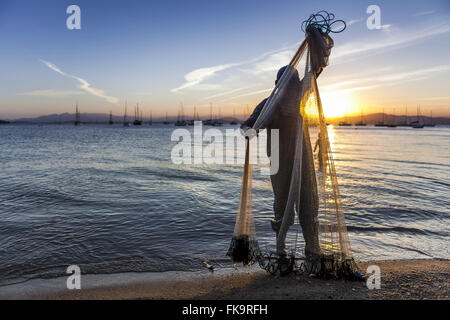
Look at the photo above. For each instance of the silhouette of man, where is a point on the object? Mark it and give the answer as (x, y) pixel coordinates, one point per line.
(286, 119)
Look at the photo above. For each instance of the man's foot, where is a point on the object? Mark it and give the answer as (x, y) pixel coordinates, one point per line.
(285, 265)
(313, 264)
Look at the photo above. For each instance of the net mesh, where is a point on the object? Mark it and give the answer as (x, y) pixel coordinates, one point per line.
(244, 245)
(308, 178)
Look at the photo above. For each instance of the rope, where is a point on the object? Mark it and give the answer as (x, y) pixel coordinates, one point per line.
(323, 21)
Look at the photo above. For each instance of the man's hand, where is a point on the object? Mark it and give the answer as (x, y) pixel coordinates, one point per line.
(244, 128)
(246, 131)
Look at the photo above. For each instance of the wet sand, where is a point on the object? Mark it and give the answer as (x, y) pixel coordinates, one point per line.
(405, 279)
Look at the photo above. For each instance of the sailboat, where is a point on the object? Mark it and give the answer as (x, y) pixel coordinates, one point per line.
(405, 123)
(431, 120)
(150, 122)
(217, 122)
(191, 122)
(167, 119)
(125, 122)
(180, 119)
(392, 124)
(110, 118)
(416, 124)
(77, 116)
(345, 123)
(234, 117)
(210, 121)
(197, 117)
(361, 122)
(381, 123)
(137, 116)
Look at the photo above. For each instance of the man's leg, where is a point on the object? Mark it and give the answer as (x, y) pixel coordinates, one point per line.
(281, 192)
(282, 179)
(309, 202)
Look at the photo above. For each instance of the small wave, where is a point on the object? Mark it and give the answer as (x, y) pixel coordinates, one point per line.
(172, 173)
(427, 164)
(396, 229)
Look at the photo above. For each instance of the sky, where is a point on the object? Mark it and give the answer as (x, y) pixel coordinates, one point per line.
(162, 54)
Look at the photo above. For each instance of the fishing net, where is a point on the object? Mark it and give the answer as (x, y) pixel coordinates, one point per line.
(244, 245)
(306, 181)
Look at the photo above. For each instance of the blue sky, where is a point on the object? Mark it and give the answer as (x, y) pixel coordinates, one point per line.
(163, 53)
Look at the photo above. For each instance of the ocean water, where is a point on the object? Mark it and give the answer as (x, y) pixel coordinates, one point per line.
(109, 199)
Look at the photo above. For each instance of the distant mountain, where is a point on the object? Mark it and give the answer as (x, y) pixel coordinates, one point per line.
(389, 119)
(70, 117)
(230, 119)
(98, 118)
(104, 118)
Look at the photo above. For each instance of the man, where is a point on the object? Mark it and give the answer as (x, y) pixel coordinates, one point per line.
(287, 119)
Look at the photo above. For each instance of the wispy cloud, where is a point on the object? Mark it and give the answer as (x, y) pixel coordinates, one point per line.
(272, 62)
(199, 75)
(84, 85)
(385, 26)
(358, 48)
(264, 65)
(225, 93)
(423, 13)
(248, 94)
(350, 22)
(51, 93)
(390, 79)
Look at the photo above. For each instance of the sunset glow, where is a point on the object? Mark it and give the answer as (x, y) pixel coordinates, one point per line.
(368, 71)
(337, 104)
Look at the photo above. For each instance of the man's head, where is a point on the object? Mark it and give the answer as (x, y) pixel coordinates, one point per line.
(280, 73)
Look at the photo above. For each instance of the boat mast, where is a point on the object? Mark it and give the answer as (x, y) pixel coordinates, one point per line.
(77, 115)
(182, 112)
(406, 114)
(418, 110)
(210, 111)
(125, 114)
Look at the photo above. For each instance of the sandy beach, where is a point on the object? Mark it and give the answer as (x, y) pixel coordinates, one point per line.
(406, 279)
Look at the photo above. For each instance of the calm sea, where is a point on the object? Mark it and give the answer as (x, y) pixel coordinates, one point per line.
(109, 199)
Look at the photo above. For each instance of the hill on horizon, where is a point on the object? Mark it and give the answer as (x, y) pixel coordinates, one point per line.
(104, 118)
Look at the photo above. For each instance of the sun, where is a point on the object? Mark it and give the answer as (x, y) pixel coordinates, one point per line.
(336, 104)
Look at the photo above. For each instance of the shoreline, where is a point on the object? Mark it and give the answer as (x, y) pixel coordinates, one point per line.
(400, 279)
